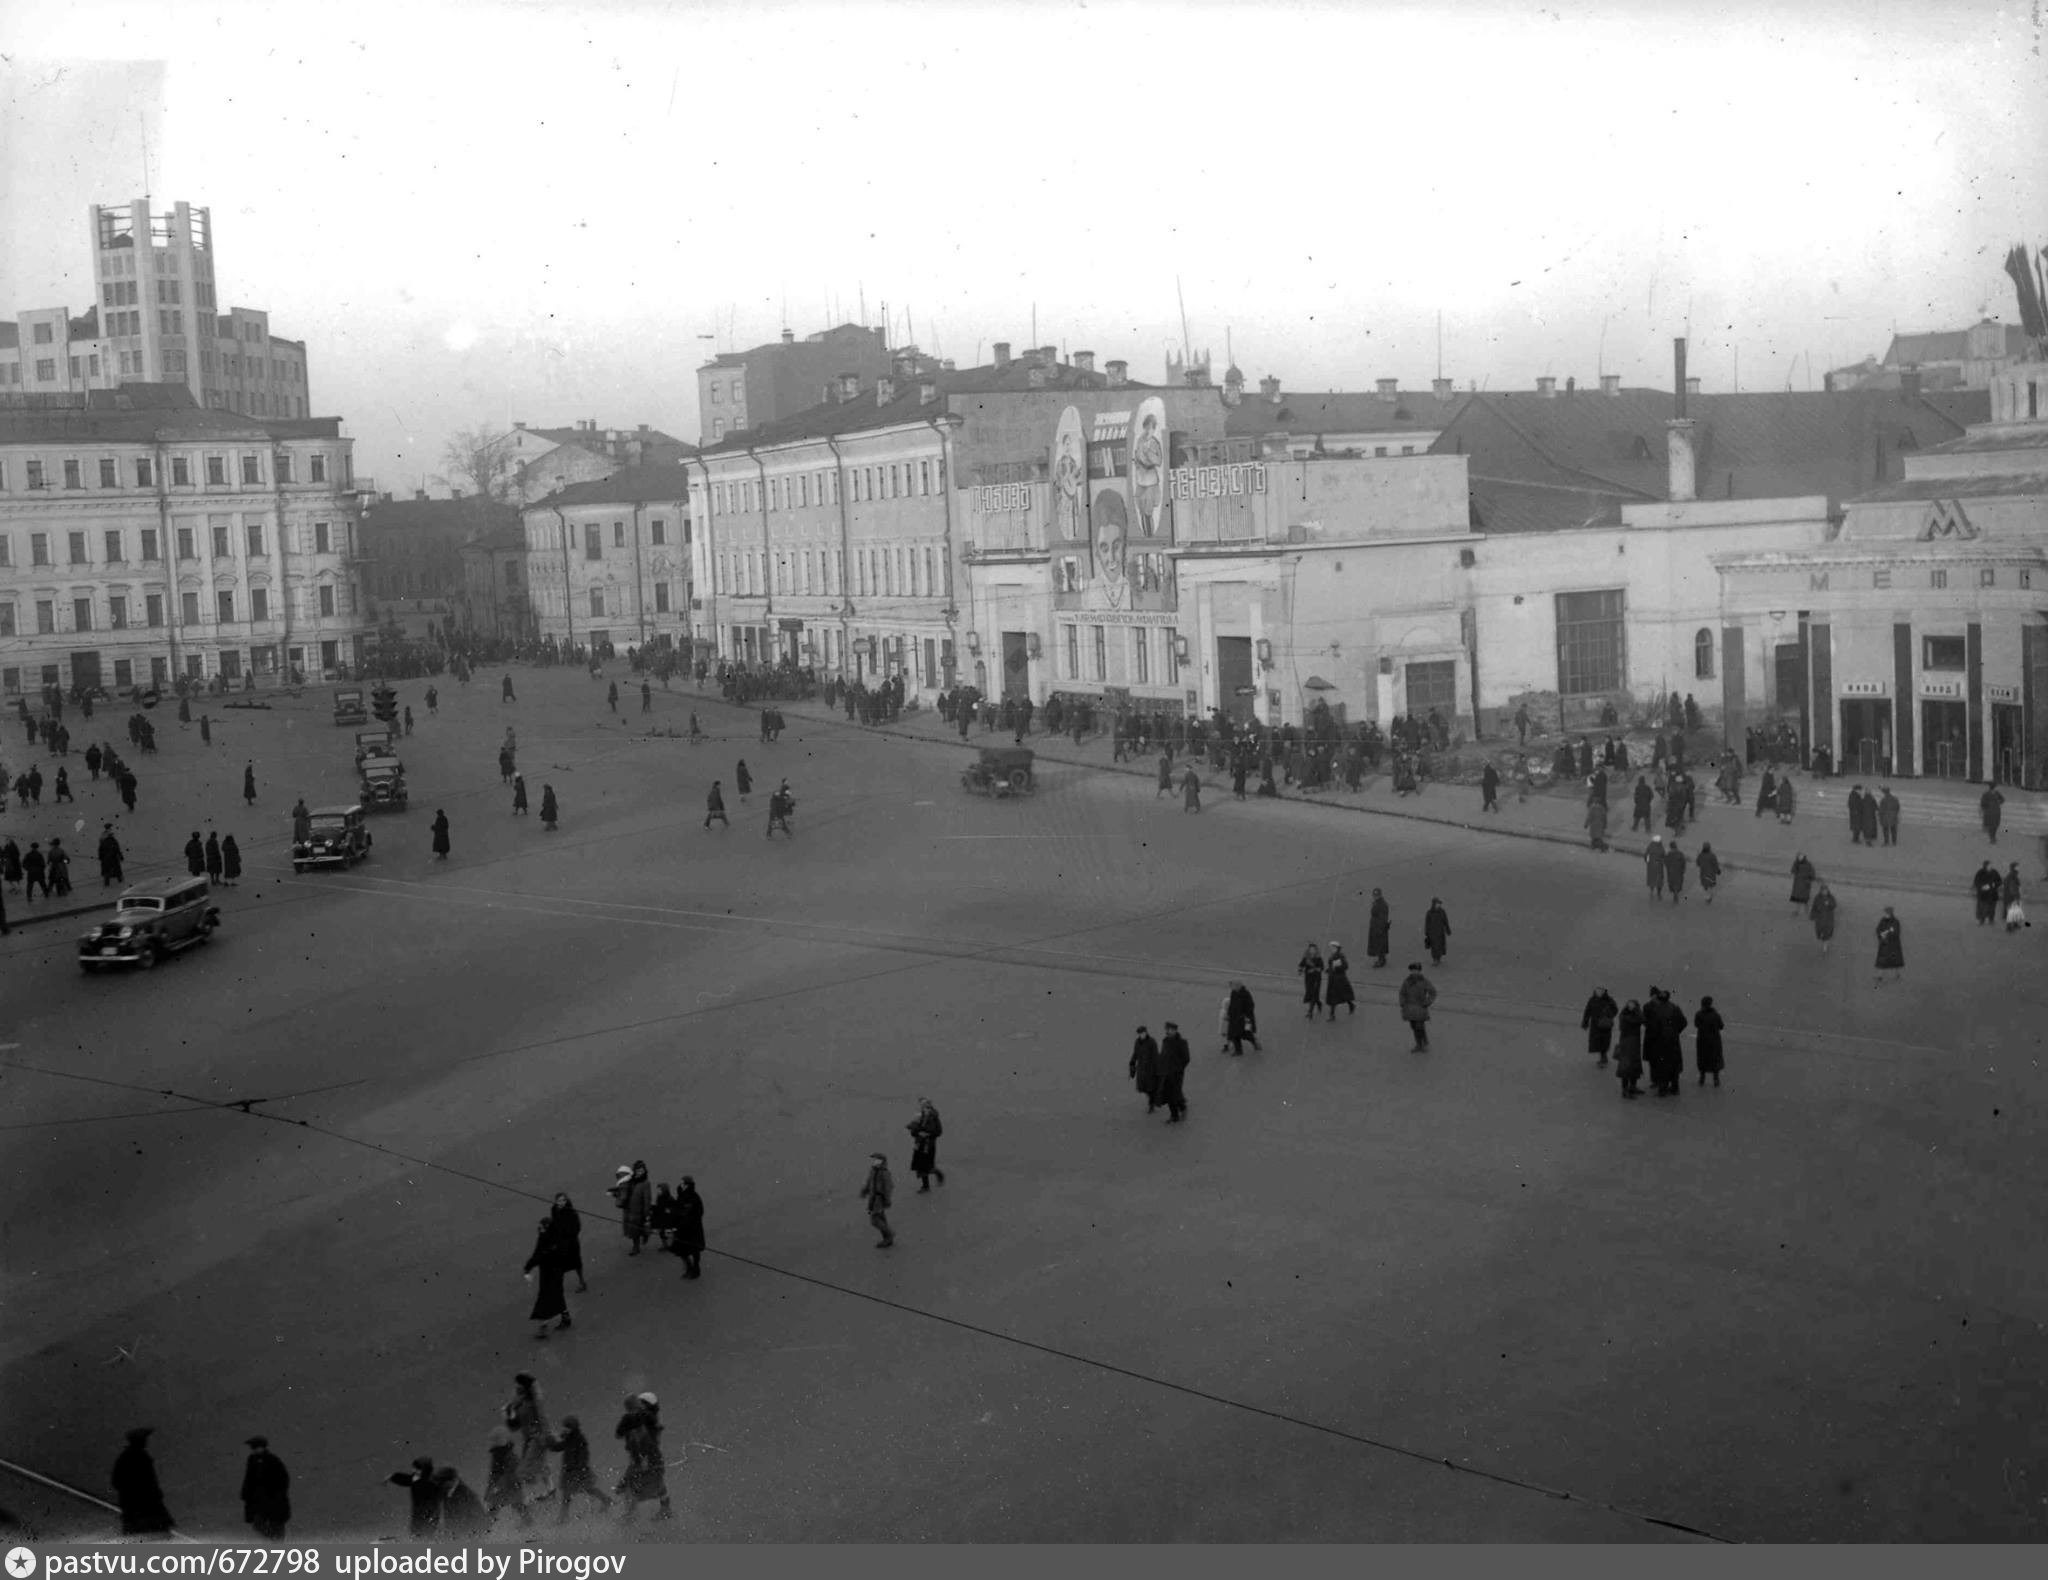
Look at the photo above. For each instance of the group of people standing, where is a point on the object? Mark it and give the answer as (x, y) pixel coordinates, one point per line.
(1646, 1035)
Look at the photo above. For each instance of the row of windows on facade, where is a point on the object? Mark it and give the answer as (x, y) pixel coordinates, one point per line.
(801, 490)
(36, 473)
(1147, 654)
(227, 663)
(718, 392)
(665, 600)
(305, 601)
(169, 293)
(121, 260)
(1148, 571)
(657, 536)
(905, 572)
(928, 659)
(114, 540)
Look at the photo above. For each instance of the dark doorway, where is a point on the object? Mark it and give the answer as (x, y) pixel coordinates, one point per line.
(85, 670)
(1236, 694)
(1788, 699)
(2008, 744)
(1944, 740)
(1867, 736)
(1016, 665)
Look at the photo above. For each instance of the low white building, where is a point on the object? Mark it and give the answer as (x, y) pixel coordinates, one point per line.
(144, 536)
(609, 562)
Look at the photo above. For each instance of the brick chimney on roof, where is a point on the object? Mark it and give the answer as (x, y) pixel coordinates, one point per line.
(1440, 388)
(1084, 361)
(1610, 384)
(1546, 387)
(1269, 389)
(1002, 353)
(885, 391)
(789, 337)
(1118, 370)
(1389, 388)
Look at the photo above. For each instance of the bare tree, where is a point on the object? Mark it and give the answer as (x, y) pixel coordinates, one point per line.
(484, 463)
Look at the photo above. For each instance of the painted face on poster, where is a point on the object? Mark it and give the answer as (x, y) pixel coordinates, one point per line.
(1112, 532)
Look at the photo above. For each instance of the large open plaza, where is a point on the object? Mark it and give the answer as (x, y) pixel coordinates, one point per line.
(285, 1184)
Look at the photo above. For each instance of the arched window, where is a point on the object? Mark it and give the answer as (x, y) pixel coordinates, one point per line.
(1703, 654)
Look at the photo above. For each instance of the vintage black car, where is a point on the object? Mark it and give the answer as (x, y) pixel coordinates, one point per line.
(381, 784)
(338, 837)
(348, 706)
(378, 741)
(1002, 771)
(151, 921)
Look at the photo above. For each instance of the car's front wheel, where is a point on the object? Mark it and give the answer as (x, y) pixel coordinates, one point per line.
(147, 959)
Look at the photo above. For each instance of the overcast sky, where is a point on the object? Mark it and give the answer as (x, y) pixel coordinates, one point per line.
(493, 210)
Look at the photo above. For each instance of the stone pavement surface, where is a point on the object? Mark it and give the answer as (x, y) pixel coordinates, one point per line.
(286, 1184)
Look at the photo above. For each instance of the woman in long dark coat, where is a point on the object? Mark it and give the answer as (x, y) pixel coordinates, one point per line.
(1337, 981)
(689, 1240)
(1787, 801)
(1240, 1024)
(1707, 1027)
(1628, 1050)
(1310, 965)
(1767, 793)
(230, 861)
(568, 1227)
(440, 827)
(518, 795)
(550, 1299)
(1598, 1023)
(1436, 931)
(1378, 929)
(1802, 880)
(1144, 1068)
(1891, 945)
(550, 813)
(1823, 913)
(212, 854)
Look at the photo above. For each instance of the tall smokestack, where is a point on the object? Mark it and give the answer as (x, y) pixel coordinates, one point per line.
(1678, 372)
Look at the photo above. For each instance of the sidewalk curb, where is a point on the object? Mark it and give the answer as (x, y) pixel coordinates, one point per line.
(1544, 836)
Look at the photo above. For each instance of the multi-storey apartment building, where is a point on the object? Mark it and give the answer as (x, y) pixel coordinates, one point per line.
(609, 562)
(739, 390)
(144, 536)
(830, 541)
(157, 320)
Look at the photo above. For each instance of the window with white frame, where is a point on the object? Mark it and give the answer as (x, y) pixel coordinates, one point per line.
(1141, 655)
(1703, 654)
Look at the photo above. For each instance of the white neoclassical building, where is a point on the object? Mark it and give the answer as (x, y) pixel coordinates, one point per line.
(144, 536)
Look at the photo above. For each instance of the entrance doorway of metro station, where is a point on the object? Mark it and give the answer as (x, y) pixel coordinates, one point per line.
(2008, 744)
(1236, 688)
(1945, 740)
(1867, 736)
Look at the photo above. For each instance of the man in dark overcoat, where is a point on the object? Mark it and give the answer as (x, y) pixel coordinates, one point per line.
(1379, 926)
(1985, 885)
(1417, 994)
(1174, 1058)
(1888, 816)
(1645, 797)
(137, 1491)
(266, 1491)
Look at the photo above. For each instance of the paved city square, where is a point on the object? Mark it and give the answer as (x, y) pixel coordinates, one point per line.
(285, 1184)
